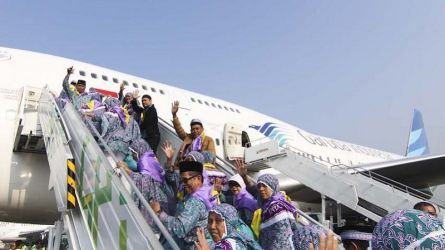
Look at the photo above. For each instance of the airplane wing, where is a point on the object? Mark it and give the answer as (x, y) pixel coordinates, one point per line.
(418, 172)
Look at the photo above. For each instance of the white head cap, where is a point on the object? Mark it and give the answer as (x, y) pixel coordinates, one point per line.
(238, 179)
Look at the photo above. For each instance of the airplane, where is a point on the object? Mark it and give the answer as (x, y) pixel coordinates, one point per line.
(24, 195)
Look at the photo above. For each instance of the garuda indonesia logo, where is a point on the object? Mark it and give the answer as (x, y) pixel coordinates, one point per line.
(272, 131)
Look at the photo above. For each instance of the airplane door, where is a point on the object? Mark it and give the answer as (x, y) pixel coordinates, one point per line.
(233, 141)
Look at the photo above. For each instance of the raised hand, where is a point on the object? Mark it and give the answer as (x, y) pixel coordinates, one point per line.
(201, 244)
(168, 150)
(241, 167)
(175, 108)
(122, 86)
(70, 70)
(136, 94)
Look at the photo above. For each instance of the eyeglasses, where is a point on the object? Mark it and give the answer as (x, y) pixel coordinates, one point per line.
(186, 180)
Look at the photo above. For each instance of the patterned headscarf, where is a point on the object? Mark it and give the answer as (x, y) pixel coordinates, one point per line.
(110, 102)
(140, 146)
(209, 157)
(308, 234)
(235, 227)
(271, 181)
(408, 229)
(197, 156)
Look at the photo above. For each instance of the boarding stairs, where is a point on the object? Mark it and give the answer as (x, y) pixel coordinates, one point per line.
(28, 136)
(95, 198)
(365, 192)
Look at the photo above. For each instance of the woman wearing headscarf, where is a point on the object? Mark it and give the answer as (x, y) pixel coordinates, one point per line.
(408, 229)
(149, 180)
(118, 128)
(93, 111)
(278, 216)
(228, 231)
(126, 101)
(243, 201)
(217, 179)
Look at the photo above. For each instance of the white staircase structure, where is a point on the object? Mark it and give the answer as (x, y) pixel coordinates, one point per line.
(94, 198)
(367, 193)
(97, 210)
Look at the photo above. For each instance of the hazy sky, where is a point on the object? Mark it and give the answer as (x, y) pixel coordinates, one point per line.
(352, 70)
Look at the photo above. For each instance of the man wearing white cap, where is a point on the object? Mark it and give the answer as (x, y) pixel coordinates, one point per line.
(196, 140)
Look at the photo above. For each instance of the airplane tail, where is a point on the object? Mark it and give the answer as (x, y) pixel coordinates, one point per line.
(417, 142)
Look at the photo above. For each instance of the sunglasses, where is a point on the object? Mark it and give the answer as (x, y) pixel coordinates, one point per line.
(186, 180)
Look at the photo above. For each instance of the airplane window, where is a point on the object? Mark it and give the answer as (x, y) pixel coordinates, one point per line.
(144, 87)
(105, 78)
(213, 105)
(82, 73)
(161, 91)
(219, 106)
(93, 75)
(217, 141)
(237, 111)
(125, 83)
(226, 108)
(153, 90)
(206, 103)
(115, 80)
(193, 99)
(200, 102)
(232, 110)
(135, 85)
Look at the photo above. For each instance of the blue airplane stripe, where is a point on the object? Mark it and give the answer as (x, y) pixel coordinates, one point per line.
(417, 152)
(269, 130)
(282, 141)
(418, 144)
(275, 132)
(417, 120)
(278, 137)
(265, 126)
(415, 135)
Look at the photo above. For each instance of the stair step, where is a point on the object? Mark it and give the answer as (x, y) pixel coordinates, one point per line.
(31, 144)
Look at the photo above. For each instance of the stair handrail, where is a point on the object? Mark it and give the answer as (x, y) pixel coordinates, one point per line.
(372, 175)
(60, 116)
(141, 198)
(119, 173)
(20, 116)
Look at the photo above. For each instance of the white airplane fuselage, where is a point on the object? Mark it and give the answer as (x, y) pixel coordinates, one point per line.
(24, 179)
